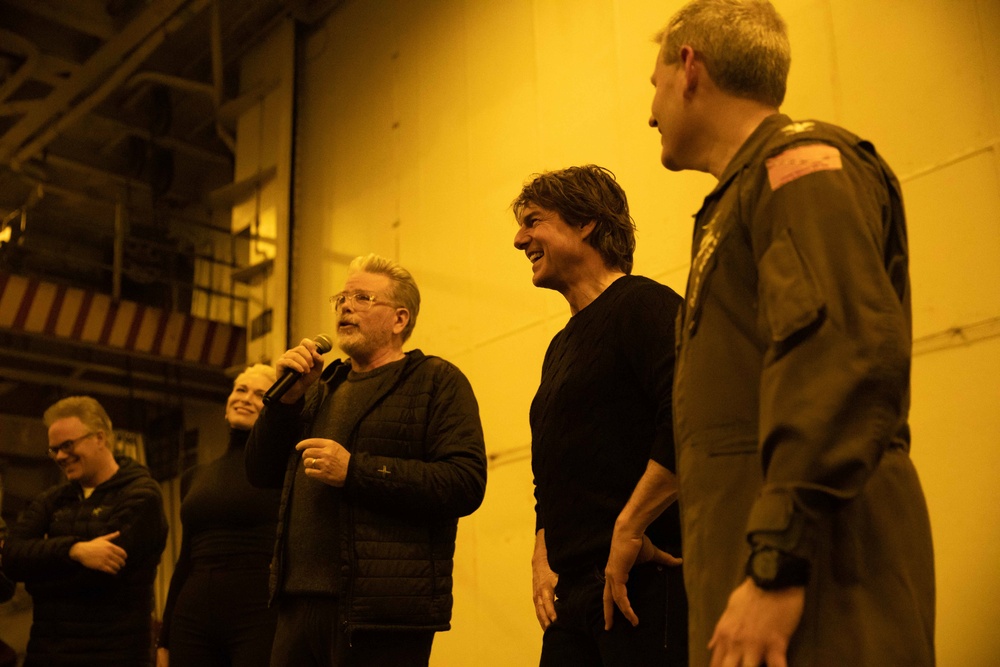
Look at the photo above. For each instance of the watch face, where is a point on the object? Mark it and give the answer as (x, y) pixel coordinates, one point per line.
(765, 564)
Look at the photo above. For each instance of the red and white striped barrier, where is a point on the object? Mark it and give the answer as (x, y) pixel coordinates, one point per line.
(36, 306)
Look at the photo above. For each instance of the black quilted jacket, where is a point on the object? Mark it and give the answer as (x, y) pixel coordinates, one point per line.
(82, 616)
(399, 528)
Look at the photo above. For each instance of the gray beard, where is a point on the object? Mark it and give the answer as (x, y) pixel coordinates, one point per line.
(362, 347)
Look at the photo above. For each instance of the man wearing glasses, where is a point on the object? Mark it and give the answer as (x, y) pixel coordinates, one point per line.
(87, 549)
(378, 456)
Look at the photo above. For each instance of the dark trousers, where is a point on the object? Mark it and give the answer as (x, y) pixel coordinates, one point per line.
(221, 619)
(310, 634)
(577, 638)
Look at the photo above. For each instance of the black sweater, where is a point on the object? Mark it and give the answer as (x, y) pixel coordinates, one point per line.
(226, 523)
(602, 410)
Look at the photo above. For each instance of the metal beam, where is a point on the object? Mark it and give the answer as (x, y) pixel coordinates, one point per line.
(92, 20)
(176, 145)
(171, 81)
(167, 395)
(23, 355)
(119, 52)
(15, 43)
(74, 165)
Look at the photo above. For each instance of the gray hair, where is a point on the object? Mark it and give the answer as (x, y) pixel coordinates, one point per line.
(743, 43)
(404, 288)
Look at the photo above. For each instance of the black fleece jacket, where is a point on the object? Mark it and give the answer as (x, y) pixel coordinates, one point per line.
(418, 463)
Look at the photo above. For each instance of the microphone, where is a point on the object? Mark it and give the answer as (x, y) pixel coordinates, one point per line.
(290, 377)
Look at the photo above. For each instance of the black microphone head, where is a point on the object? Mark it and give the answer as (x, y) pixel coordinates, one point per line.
(323, 343)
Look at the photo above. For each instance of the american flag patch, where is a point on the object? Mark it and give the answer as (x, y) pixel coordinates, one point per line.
(799, 161)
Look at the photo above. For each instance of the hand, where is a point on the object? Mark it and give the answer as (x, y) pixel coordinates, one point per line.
(305, 360)
(543, 590)
(325, 460)
(100, 554)
(543, 583)
(626, 552)
(655, 491)
(162, 657)
(757, 626)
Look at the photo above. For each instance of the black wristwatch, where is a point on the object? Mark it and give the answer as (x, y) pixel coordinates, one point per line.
(773, 569)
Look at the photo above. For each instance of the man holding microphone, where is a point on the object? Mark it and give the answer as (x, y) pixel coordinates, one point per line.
(378, 456)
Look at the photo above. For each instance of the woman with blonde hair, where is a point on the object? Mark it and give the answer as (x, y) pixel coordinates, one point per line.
(216, 612)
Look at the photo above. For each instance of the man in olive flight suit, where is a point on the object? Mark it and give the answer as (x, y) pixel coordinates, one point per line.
(805, 529)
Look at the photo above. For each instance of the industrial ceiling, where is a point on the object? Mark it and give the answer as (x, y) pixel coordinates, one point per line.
(117, 123)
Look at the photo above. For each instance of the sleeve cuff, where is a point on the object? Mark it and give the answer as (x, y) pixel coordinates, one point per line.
(777, 523)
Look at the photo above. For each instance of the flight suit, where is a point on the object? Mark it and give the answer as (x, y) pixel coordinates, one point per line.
(791, 397)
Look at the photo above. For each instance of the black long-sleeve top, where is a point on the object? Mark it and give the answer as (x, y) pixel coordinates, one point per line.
(602, 411)
(227, 523)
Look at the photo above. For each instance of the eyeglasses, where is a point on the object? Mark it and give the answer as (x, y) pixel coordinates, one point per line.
(360, 301)
(68, 445)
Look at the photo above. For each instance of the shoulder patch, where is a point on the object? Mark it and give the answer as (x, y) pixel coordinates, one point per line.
(801, 160)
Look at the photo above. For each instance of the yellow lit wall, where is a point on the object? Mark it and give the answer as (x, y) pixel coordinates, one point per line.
(263, 155)
(418, 122)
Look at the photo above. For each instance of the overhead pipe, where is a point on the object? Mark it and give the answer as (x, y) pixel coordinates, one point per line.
(176, 145)
(214, 90)
(18, 107)
(17, 44)
(74, 165)
(124, 70)
(258, 91)
(217, 77)
(89, 74)
(172, 81)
